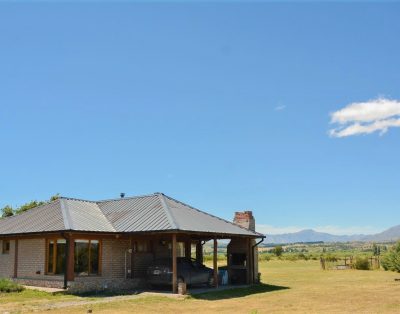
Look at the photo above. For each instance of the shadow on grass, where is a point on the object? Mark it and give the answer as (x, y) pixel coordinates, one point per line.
(105, 293)
(234, 292)
(238, 292)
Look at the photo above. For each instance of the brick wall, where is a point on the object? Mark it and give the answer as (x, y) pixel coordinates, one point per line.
(7, 261)
(113, 258)
(31, 266)
(245, 219)
(31, 258)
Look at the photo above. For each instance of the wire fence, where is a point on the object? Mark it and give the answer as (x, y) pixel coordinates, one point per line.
(350, 262)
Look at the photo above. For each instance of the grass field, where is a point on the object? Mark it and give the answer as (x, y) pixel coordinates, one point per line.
(287, 287)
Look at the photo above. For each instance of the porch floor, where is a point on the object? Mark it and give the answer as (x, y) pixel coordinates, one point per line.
(198, 290)
(44, 289)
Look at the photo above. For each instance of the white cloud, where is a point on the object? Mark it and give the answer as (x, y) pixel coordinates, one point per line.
(268, 229)
(377, 115)
(280, 108)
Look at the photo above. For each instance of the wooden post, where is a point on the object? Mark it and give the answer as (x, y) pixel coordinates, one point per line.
(174, 265)
(70, 259)
(251, 264)
(16, 259)
(248, 262)
(215, 256)
(132, 246)
(199, 252)
(188, 249)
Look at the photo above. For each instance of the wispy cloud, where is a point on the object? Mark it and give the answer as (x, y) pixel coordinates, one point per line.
(268, 229)
(280, 108)
(377, 115)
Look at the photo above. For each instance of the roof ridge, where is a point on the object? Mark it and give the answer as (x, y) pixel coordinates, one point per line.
(203, 212)
(76, 199)
(126, 198)
(168, 212)
(65, 213)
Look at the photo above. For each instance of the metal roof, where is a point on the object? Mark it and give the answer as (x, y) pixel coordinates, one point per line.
(155, 212)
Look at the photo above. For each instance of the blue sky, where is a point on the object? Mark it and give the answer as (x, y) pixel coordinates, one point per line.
(226, 106)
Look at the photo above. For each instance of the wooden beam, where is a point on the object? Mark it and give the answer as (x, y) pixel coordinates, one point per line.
(71, 259)
(199, 252)
(215, 256)
(174, 265)
(188, 249)
(16, 259)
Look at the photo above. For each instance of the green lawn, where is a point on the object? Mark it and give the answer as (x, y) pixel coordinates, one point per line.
(299, 286)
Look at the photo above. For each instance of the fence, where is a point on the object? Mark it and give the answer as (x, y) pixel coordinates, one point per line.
(348, 262)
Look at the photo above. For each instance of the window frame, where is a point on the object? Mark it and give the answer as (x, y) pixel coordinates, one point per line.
(54, 265)
(89, 257)
(5, 246)
(146, 243)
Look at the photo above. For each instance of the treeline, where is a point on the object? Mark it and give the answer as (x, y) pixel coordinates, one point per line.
(8, 210)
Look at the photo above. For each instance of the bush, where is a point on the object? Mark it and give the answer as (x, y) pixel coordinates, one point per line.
(264, 257)
(10, 286)
(391, 260)
(277, 250)
(331, 258)
(303, 256)
(291, 257)
(361, 263)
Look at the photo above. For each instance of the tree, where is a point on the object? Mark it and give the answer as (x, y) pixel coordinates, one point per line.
(55, 197)
(7, 211)
(376, 249)
(28, 206)
(278, 250)
(391, 260)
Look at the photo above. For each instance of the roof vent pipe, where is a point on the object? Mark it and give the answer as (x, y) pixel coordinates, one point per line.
(122, 195)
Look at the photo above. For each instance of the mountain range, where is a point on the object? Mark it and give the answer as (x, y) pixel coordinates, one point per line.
(310, 235)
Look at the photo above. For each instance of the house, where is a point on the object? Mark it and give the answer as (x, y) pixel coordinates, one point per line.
(86, 245)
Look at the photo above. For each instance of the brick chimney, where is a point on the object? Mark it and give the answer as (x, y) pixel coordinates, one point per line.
(245, 219)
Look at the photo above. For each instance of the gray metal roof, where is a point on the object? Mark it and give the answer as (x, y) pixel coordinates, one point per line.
(155, 212)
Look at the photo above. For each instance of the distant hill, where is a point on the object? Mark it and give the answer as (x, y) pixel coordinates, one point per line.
(391, 234)
(310, 235)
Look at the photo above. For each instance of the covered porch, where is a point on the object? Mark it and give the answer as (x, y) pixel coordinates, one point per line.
(130, 255)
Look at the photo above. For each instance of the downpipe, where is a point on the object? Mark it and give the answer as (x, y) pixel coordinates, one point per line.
(252, 254)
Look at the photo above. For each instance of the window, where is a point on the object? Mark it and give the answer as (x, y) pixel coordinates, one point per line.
(142, 246)
(87, 257)
(56, 250)
(6, 247)
(180, 249)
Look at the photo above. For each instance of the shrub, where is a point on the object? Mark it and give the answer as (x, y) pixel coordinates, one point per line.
(10, 286)
(391, 260)
(291, 257)
(331, 258)
(277, 250)
(362, 263)
(264, 257)
(303, 256)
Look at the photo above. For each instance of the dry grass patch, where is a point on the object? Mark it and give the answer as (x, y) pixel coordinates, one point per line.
(299, 286)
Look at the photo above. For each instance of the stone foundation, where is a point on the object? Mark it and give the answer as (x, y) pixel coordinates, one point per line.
(101, 284)
(48, 283)
(88, 284)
